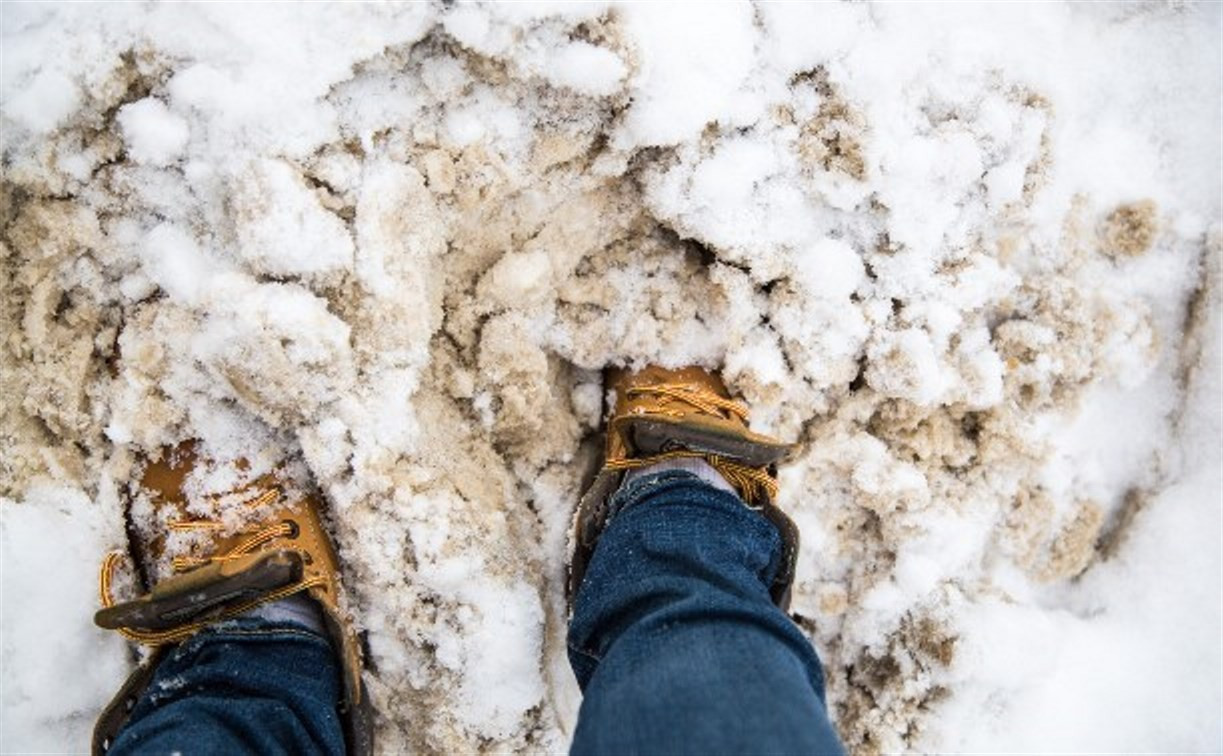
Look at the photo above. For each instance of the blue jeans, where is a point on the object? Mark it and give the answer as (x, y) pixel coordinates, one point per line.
(674, 640)
(244, 686)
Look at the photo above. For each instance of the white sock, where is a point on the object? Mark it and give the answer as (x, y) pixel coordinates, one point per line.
(298, 609)
(695, 465)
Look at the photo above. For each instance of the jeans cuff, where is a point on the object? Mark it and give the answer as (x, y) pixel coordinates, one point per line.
(634, 491)
(247, 627)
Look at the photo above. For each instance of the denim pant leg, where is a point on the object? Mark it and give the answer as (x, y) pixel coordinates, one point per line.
(674, 639)
(244, 686)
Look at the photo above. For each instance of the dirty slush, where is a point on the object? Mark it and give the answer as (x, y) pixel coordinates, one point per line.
(403, 261)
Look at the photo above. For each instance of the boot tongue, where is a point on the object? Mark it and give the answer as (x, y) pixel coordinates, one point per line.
(695, 376)
(167, 476)
(688, 377)
(175, 524)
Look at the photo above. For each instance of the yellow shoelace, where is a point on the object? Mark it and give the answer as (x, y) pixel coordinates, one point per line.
(183, 564)
(751, 482)
(701, 398)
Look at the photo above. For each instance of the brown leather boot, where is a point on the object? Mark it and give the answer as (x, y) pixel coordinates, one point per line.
(208, 558)
(662, 414)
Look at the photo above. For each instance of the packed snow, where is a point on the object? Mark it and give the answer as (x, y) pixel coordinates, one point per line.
(966, 255)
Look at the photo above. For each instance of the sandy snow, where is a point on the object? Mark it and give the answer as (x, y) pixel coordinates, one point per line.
(967, 255)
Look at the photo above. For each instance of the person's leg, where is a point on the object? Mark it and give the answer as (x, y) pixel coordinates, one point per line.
(675, 640)
(250, 685)
(255, 654)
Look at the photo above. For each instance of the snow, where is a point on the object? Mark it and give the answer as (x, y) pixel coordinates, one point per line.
(284, 230)
(967, 255)
(153, 134)
(48, 100)
(174, 262)
(693, 59)
(585, 68)
(1138, 638)
(57, 665)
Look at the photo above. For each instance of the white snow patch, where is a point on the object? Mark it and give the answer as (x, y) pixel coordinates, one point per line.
(59, 670)
(154, 135)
